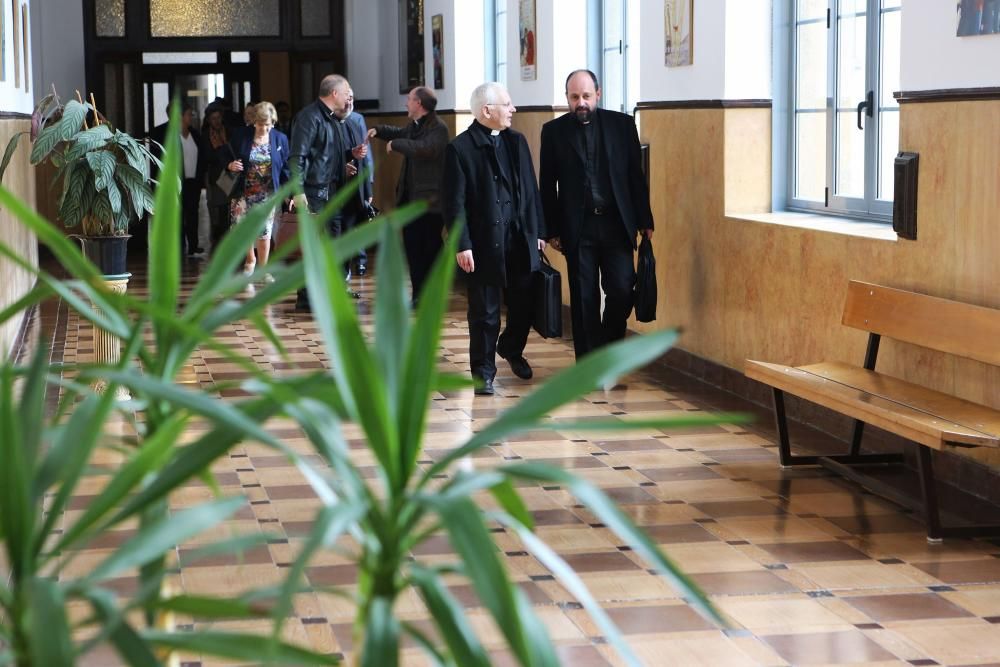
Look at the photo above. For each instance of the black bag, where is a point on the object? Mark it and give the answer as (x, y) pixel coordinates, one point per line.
(547, 286)
(645, 283)
(227, 182)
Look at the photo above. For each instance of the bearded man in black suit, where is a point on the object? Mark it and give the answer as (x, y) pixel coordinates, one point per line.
(596, 202)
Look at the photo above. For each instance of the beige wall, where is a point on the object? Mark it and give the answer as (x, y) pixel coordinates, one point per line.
(746, 289)
(14, 281)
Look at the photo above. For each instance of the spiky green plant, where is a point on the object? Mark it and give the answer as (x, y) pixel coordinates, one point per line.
(384, 386)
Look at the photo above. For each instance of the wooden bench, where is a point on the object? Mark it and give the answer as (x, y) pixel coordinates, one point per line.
(932, 419)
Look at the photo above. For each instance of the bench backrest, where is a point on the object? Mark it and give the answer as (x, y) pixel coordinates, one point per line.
(939, 324)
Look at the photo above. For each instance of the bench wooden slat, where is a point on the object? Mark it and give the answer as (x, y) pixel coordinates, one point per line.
(906, 421)
(960, 411)
(961, 329)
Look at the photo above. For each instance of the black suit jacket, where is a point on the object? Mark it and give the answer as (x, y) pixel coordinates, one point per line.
(469, 193)
(422, 145)
(562, 177)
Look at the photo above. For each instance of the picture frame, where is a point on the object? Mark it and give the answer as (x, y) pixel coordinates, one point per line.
(978, 17)
(678, 32)
(527, 34)
(411, 45)
(437, 49)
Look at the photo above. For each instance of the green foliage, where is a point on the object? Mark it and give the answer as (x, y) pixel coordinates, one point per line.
(103, 172)
(383, 386)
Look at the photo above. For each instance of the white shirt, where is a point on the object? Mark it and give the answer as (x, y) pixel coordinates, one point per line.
(190, 155)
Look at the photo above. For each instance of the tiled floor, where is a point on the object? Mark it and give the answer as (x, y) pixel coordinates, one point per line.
(811, 569)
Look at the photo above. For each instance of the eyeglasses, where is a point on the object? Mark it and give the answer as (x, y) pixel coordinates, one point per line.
(508, 105)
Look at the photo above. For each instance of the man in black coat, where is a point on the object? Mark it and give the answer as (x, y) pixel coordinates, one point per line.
(489, 182)
(422, 144)
(596, 201)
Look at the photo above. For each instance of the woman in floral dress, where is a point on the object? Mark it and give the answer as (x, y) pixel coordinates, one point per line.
(263, 161)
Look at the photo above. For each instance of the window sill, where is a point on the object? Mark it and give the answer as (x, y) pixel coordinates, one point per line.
(820, 223)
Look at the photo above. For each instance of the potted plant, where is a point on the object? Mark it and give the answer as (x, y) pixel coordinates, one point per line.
(103, 175)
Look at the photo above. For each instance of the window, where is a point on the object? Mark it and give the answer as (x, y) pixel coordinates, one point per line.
(845, 122)
(496, 11)
(613, 87)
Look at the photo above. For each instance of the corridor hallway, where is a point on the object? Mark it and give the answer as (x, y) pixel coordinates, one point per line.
(811, 569)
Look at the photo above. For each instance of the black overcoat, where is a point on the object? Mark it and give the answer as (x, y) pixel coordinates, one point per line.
(469, 192)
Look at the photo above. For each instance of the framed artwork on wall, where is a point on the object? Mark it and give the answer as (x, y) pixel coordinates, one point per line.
(411, 44)
(978, 17)
(678, 32)
(526, 31)
(437, 49)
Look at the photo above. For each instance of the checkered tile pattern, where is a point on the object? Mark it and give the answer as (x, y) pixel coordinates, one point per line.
(811, 569)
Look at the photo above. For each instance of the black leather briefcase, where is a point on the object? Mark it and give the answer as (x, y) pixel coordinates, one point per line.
(548, 300)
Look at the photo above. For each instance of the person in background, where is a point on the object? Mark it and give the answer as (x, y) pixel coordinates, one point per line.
(217, 153)
(422, 144)
(263, 159)
(284, 124)
(192, 177)
(356, 132)
(489, 182)
(596, 201)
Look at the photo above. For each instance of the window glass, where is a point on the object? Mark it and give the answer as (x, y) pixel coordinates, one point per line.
(212, 18)
(109, 18)
(315, 16)
(844, 130)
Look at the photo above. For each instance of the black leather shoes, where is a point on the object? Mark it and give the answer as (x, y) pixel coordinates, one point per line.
(520, 366)
(485, 389)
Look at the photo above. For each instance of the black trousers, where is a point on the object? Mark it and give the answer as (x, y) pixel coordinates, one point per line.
(219, 223)
(352, 217)
(334, 226)
(485, 339)
(603, 259)
(190, 200)
(422, 240)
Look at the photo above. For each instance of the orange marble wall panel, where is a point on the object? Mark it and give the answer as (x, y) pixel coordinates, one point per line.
(747, 160)
(15, 282)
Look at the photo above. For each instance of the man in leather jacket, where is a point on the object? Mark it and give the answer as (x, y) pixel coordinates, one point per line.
(321, 153)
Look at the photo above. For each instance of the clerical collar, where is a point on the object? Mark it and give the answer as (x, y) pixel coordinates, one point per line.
(494, 133)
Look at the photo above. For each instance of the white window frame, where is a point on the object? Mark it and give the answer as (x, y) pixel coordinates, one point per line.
(873, 108)
(614, 53)
(496, 17)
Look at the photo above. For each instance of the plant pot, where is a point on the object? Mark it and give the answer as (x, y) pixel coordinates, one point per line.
(107, 252)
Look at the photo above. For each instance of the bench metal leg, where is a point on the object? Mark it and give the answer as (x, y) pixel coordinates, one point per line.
(785, 456)
(787, 459)
(928, 489)
(859, 430)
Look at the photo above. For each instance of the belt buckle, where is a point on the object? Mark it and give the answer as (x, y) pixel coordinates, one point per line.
(597, 210)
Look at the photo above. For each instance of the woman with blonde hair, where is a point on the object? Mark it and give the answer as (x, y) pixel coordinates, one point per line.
(262, 159)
